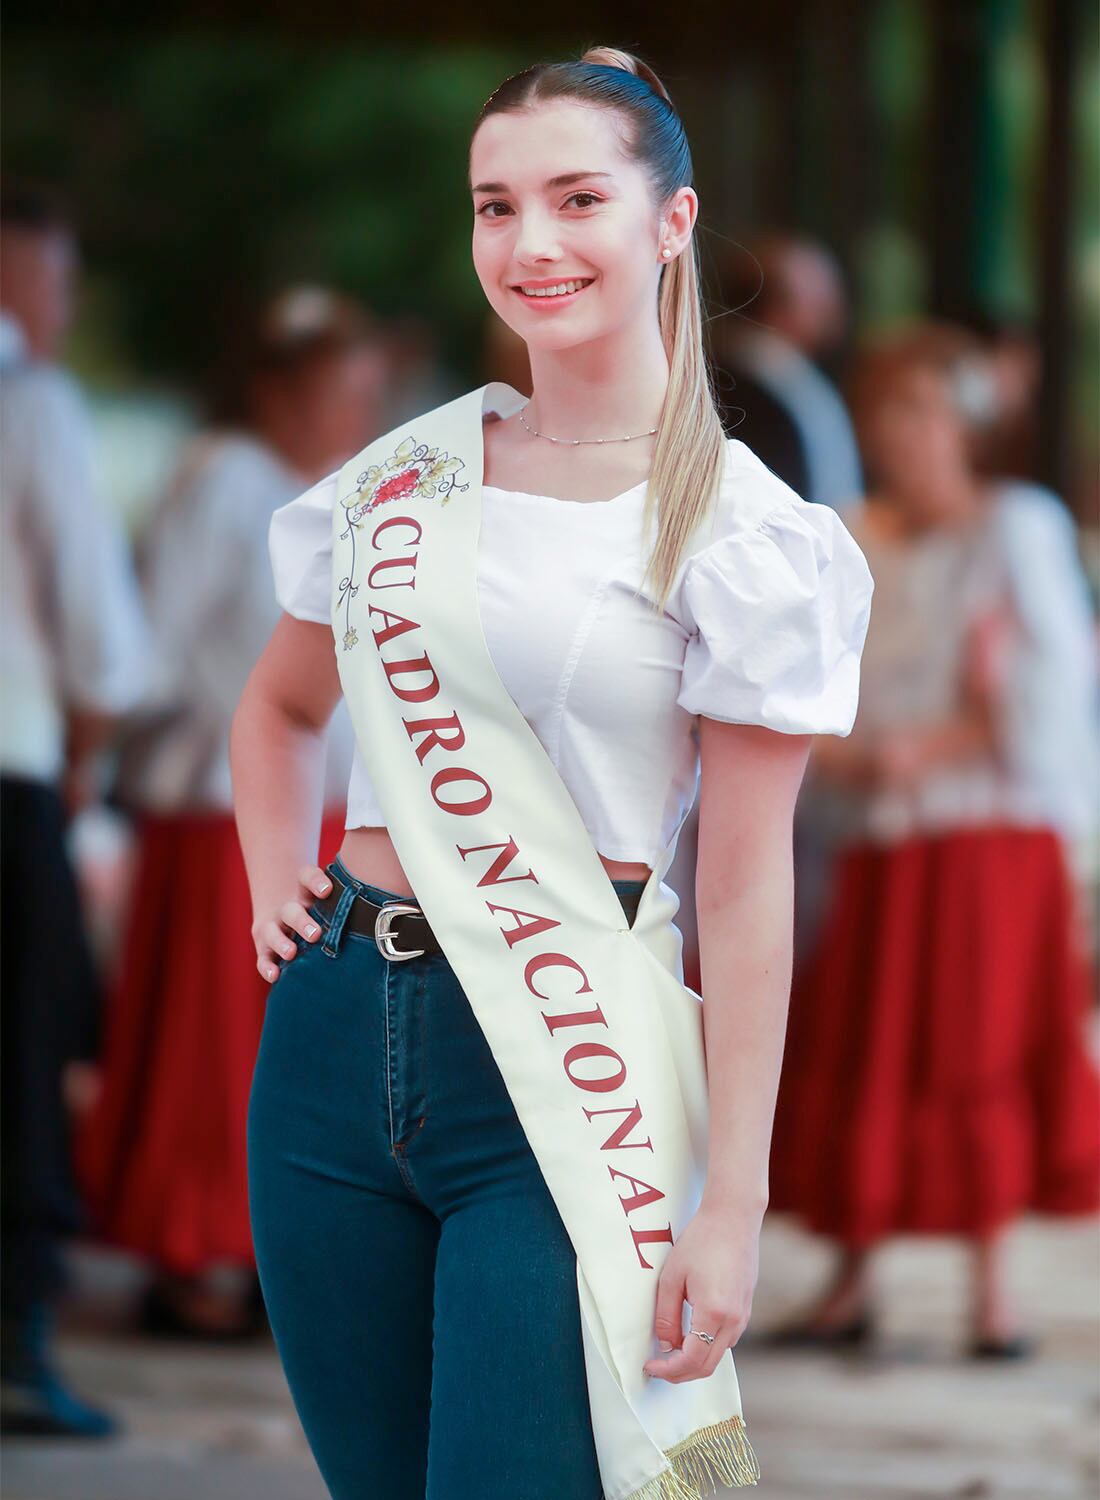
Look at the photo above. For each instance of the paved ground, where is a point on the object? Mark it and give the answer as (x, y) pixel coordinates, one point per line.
(910, 1422)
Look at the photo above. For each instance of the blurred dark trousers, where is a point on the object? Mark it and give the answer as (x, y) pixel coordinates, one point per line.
(49, 1010)
(419, 1280)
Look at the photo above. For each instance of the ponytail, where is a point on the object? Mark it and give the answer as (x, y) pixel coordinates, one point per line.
(690, 447)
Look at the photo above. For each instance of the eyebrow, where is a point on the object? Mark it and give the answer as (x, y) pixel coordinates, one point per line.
(551, 182)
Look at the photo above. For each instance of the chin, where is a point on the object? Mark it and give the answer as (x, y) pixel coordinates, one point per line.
(574, 336)
(555, 339)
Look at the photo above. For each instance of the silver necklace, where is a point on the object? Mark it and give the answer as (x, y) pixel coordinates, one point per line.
(574, 441)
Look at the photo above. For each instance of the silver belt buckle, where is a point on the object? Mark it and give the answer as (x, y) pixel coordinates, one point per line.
(383, 936)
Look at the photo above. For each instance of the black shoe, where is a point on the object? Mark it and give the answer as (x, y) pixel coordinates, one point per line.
(160, 1315)
(1015, 1346)
(804, 1335)
(34, 1401)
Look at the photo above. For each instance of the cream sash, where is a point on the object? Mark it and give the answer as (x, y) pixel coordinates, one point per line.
(598, 1040)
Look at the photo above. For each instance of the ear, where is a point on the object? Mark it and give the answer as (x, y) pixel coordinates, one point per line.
(678, 220)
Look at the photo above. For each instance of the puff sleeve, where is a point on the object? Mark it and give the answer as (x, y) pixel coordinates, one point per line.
(299, 543)
(779, 613)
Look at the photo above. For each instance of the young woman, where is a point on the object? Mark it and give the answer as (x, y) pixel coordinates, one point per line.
(444, 1235)
(937, 1078)
(162, 1154)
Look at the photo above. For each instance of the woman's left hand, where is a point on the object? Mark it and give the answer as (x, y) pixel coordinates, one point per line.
(713, 1267)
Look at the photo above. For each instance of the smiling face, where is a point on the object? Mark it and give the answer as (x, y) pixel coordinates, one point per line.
(557, 203)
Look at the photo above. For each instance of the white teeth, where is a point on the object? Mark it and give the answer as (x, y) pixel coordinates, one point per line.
(553, 291)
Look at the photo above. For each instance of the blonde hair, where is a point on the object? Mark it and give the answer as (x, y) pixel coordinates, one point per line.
(690, 448)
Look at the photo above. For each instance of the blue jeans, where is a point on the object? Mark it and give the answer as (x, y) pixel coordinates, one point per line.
(419, 1280)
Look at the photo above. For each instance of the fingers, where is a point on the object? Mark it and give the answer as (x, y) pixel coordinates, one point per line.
(314, 880)
(294, 915)
(275, 943)
(668, 1317)
(267, 968)
(695, 1358)
(684, 1356)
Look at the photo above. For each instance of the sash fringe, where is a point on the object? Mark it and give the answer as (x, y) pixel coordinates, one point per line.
(718, 1453)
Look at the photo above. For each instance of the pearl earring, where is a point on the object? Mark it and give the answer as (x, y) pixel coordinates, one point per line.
(666, 252)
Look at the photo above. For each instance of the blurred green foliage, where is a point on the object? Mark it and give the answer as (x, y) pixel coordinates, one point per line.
(207, 169)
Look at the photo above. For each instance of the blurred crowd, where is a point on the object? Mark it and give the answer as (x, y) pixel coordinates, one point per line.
(938, 1076)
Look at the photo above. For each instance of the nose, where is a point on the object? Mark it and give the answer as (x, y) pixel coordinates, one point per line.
(536, 238)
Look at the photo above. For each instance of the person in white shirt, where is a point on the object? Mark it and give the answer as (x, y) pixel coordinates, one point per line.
(162, 1156)
(405, 1233)
(73, 658)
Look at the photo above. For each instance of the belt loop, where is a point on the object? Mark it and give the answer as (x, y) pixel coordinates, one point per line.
(330, 943)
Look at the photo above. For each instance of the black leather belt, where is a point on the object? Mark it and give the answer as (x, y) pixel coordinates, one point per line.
(403, 920)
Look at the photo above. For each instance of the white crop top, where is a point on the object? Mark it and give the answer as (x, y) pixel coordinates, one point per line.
(765, 625)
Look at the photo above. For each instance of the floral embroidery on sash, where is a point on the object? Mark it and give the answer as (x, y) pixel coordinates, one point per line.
(412, 470)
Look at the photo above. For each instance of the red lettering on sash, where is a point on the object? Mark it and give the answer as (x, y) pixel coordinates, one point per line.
(396, 625)
(462, 809)
(494, 875)
(473, 794)
(597, 1085)
(640, 1199)
(554, 960)
(523, 929)
(395, 669)
(418, 530)
(431, 728)
(397, 583)
(575, 1018)
(648, 1237)
(617, 1140)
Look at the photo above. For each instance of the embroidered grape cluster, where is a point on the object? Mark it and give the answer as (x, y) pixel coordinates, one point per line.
(412, 471)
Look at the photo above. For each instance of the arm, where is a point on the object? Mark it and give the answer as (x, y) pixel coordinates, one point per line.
(276, 755)
(901, 756)
(94, 604)
(745, 903)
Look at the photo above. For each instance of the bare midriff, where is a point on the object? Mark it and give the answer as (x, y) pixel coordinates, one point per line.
(370, 856)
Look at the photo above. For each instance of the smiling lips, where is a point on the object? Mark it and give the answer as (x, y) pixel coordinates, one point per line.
(552, 291)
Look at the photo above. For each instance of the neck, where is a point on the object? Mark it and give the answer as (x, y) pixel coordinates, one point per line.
(957, 502)
(293, 447)
(604, 389)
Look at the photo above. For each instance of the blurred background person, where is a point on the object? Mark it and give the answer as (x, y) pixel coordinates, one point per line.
(785, 316)
(73, 657)
(784, 323)
(1010, 444)
(1053, 706)
(937, 1078)
(162, 1156)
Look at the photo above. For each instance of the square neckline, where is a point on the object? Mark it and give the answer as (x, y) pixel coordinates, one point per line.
(517, 402)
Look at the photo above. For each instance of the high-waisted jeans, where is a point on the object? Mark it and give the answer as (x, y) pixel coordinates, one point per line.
(419, 1280)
